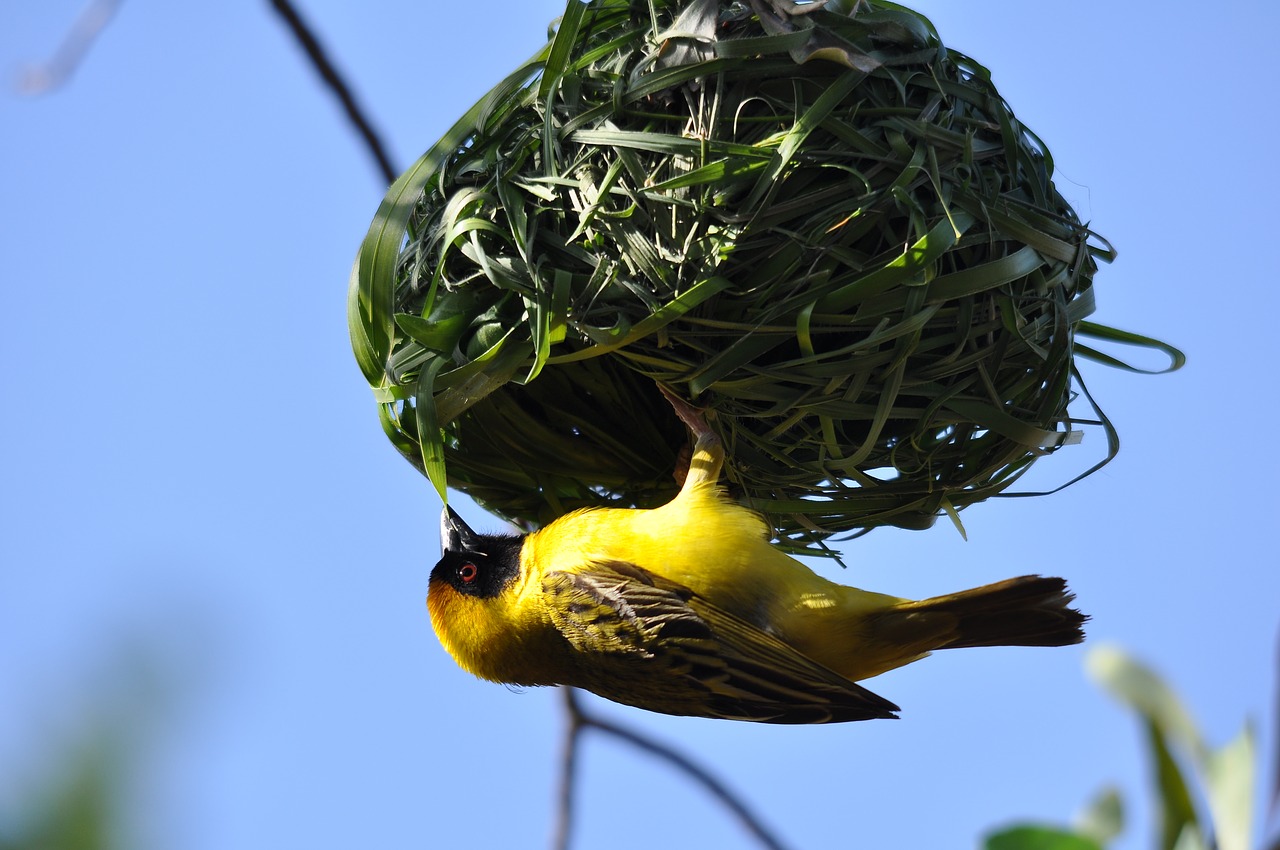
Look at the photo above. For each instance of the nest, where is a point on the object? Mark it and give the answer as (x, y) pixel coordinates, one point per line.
(819, 223)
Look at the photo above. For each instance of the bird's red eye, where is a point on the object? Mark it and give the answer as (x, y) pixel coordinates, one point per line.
(468, 572)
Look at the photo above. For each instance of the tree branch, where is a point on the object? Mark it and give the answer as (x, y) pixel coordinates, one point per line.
(568, 770)
(580, 720)
(42, 78)
(329, 74)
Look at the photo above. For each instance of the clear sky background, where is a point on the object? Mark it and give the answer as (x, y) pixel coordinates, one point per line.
(204, 531)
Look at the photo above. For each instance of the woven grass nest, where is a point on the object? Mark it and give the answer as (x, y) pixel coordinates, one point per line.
(814, 220)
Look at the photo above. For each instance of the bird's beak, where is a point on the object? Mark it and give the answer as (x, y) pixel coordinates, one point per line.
(455, 536)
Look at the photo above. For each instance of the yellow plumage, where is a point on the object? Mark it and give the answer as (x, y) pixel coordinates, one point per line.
(687, 609)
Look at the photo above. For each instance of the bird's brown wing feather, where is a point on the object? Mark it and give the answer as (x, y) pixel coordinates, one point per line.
(653, 643)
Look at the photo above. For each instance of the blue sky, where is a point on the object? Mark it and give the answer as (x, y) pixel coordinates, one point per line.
(195, 484)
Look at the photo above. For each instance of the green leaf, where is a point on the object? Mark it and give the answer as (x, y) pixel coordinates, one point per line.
(912, 262)
(370, 303)
(1038, 838)
(430, 436)
(988, 415)
(371, 356)
(664, 315)
(810, 120)
(985, 277)
(1177, 810)
(1191, 839)
(954, 516)
(713, 173)
(762, 45)
(1091, 329)
(466, 385)
(1166, 724)
(1103, 818)
(1138, 686)
(747, 348)
(447, 323)
(1230, 775)
(561, 47)
(438, 336)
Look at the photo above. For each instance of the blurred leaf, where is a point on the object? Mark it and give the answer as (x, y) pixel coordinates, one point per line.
(1028, 837)
(1275, 769)
(1229, 777)
(1177, 811)
(1165, 721)
(1190, 839)
(1136, 685)
(1179, 756)
(74, 814)
(74, 791)
(1103, 819)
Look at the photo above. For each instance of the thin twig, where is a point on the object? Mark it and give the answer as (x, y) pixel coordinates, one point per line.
(320, 59)
(568, 770)
(43, 78)
(580, 720)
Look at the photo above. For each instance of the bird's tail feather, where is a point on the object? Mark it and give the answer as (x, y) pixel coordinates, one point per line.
(1024, 611)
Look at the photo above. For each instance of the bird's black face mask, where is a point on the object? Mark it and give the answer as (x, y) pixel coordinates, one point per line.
(475, 564)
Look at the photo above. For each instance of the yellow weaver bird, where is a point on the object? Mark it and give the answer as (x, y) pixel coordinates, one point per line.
(687, 609)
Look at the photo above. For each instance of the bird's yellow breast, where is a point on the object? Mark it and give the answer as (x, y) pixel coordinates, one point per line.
(505, 639)
(698, 540)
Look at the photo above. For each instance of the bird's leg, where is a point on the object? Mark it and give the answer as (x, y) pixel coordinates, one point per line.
(708, 451)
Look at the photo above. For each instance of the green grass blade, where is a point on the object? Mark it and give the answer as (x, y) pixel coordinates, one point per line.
(1096, 331)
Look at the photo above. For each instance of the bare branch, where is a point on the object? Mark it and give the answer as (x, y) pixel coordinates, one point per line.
(568, 770)
(580, 720)
(41, 79)
(325, 68)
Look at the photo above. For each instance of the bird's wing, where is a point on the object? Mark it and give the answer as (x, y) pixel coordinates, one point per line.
(617, 607)
(651, 642)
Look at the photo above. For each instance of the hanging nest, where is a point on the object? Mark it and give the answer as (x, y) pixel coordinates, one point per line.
(814, 220)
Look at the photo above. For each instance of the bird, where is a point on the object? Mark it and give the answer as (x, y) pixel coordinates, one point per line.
(688, 609)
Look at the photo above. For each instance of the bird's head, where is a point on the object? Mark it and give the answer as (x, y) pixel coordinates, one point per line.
(472, 596)
(475, 565)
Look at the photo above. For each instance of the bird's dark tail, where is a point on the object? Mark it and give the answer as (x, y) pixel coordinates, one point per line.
(1024, 611)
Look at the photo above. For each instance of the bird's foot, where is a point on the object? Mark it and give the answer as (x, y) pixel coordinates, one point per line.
(693, 417)
(703, 462)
